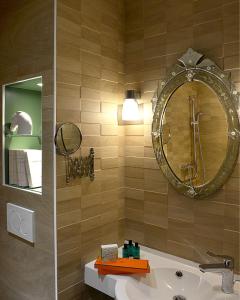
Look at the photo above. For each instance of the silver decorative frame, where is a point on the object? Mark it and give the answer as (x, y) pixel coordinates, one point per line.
(194, 67)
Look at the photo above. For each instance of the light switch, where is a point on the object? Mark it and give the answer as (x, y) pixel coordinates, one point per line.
(21, 222)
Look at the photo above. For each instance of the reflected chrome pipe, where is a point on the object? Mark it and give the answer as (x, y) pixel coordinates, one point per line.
(195, 118)
(193, 124)
(200, 146)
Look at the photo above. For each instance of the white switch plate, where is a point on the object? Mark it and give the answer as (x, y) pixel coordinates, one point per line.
(21, 222)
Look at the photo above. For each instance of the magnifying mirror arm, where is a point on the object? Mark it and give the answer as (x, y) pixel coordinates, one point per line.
(80, 166)
(67, 165)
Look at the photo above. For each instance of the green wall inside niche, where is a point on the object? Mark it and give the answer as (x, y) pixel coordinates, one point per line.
(29, 101)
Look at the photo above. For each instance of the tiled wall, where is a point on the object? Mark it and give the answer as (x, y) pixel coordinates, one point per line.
(104, 47)
(26, 38)
(90, 56)
(157, 33)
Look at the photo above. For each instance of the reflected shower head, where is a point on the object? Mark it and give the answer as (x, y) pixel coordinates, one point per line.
(192, 98)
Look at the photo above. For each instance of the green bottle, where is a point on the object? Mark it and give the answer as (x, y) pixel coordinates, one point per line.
(130, 248)
(125, 251)
(136, 251)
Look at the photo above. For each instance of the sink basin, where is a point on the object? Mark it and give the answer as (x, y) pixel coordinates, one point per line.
(164, 284)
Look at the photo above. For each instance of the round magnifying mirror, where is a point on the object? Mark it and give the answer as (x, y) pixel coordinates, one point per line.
(68, 139)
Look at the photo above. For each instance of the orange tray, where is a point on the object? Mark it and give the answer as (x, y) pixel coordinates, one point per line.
(122, 266)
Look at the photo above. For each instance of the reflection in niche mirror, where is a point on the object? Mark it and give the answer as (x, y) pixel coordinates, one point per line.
(68, 139)
(195, 133)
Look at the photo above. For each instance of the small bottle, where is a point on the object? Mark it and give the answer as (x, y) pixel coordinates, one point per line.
(136, 251)
(125, 251)
(130, 248)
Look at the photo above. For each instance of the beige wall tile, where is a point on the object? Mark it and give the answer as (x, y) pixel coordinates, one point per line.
(109, 129)
(68, 238)
(182, 250)
(232, 217)
(103, 57)
(181, 232)
(133, 172)
(109, 163)
(155, 214)
(31, 26)
(231, 49)
(90, 129)
(155, 237)
(90, 85)
(134, 151)
(134, 229)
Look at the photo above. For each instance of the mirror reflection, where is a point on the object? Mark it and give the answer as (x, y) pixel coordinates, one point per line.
(194, 133)
(68, 139)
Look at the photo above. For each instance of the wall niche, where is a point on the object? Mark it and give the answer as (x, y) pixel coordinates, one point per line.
(22, 135)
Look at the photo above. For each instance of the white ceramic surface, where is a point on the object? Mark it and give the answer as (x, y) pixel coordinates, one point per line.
(162, 282)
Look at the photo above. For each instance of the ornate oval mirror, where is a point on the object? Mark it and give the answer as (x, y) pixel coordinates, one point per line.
(68, 139)
(195, 130)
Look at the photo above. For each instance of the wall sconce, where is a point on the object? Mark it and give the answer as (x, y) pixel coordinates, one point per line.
(130, 112)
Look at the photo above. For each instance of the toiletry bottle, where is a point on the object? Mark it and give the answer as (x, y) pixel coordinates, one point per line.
(130, 248)
(136, 251)
(125, 251)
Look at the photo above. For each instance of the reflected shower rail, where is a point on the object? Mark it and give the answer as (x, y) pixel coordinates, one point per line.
(197, 145)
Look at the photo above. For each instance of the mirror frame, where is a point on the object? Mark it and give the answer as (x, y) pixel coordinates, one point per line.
(59, 126)
(194, 67)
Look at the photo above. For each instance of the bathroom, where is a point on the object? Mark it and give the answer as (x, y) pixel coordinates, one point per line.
(86, 55)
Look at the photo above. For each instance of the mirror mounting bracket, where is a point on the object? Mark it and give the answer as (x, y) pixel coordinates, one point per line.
(80, 166)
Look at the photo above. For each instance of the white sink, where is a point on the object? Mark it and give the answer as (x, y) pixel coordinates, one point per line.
(161, 283)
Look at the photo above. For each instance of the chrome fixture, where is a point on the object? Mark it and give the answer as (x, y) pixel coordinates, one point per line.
(225, 268)
(197, 145)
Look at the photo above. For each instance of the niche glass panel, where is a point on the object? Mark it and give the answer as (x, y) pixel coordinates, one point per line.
(22, 139)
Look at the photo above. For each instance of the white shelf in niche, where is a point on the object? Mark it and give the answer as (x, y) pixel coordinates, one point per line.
(10, 136)
(37, 190)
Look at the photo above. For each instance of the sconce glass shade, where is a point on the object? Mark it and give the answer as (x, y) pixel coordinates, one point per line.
(130, 110)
